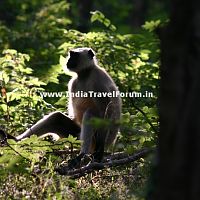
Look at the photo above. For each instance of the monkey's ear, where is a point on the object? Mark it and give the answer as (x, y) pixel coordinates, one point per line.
(91, 53)
(71, 52)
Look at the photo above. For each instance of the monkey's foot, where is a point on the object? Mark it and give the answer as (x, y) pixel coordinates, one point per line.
(97, 156)
(81, 160)
(78, 162)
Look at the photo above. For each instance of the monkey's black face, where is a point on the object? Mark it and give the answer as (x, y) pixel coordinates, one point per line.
(80, 59)
(73, 61)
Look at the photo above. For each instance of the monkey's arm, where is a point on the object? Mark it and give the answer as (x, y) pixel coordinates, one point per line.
(55, 122)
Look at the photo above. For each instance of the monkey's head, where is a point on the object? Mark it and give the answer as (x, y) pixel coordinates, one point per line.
(80, 59)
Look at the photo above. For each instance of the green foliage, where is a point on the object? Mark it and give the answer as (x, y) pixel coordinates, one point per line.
(152, 25)
(24, 155)
(99, 16)
(18, 92)
(132, 61)
(37, 30)
(41, 29)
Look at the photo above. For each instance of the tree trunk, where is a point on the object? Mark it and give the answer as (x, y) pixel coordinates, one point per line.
(7, 13)
(84, 8)
(178, 175)
(138, 13)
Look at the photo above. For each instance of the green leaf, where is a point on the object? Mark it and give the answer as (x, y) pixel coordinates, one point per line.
(63, 62)
(106, 22)
(99, 16)
(12, 96)
(94, 16)
(152, 25)
(10, 51)
(3, 107)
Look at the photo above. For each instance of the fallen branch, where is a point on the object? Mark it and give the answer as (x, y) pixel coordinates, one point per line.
(77, 173)
(115, 156)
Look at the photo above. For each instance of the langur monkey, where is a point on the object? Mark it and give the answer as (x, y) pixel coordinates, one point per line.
(90, 77)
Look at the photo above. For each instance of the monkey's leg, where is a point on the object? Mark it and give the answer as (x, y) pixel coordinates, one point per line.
(55, 122)
(87, 134)
(100, 138)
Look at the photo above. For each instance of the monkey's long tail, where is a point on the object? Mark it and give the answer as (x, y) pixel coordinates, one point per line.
(55, 122)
